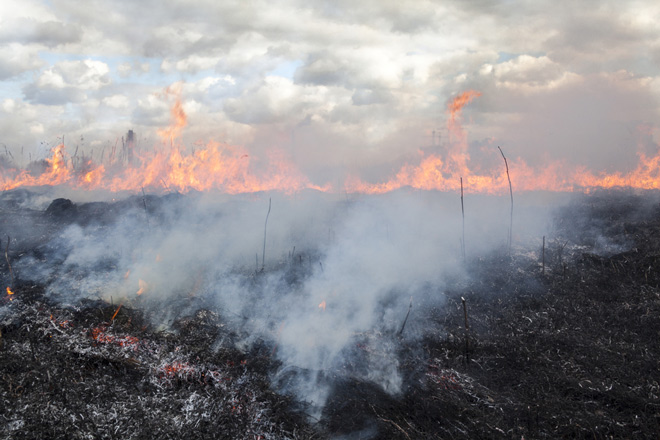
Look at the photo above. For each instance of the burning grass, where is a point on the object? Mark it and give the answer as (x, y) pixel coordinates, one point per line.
(68, 374)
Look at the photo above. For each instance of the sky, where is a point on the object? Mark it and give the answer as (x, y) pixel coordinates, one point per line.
(338, 86)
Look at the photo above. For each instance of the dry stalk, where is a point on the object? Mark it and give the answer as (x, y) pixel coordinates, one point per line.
(263, 256)
(144, 203)
(407, 315)
(506, 164)
(463, 214)
(467, 331)
(117, 311)
(389, 421)
(11, 271)
(543, 257)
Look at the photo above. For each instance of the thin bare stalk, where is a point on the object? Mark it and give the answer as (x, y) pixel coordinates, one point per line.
(407, 315)
(144, 202)
(543, 257)
(467, 331)
(506, 164)
(263, 255)
(11, 271)
(463, 214)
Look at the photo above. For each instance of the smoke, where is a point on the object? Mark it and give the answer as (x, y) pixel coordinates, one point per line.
(338, 279)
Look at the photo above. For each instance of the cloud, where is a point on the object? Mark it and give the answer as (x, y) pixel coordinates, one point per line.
(117, 101)
(68, 81)
(16, 59)
(47, 33)
(369, 80)
(271, 101)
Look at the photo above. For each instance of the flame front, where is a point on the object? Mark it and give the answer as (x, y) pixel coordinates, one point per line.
(435, 172)
(10, 292)
(171, 168)
(231, 169)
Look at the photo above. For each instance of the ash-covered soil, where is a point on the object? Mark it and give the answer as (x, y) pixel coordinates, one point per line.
(560, 346)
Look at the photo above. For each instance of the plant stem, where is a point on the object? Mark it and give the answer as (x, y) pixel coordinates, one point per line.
(506, 164)
(263, 255)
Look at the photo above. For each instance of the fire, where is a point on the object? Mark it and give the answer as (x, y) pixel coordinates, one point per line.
(143, 286)
(100, 335)
(177, 115)
(232, 170)
(10, 292)
(322, 305)
(444, 173)
(170, 167)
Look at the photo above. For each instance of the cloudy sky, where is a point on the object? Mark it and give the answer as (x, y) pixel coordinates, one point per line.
(337, 85)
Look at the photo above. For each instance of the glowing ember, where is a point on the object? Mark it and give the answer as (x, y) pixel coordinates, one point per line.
(99, 335)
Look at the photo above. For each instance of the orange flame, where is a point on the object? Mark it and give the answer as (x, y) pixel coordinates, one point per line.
(177, 115)
(230, 169)
(444, 173)
(10, 292)
(143, 286)
(322, 305)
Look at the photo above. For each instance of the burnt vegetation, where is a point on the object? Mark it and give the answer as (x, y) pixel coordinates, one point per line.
(571, 351)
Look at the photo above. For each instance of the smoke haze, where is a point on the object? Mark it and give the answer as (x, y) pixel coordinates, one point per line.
(349, 282)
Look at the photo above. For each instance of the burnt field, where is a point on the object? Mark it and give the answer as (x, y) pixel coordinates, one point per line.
(560, 340)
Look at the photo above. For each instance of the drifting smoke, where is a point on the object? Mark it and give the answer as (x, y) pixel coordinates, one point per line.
(362, 259)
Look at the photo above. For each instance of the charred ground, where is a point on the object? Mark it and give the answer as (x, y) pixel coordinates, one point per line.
(569, 350)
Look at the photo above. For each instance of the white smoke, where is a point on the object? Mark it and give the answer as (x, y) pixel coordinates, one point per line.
(338, 274)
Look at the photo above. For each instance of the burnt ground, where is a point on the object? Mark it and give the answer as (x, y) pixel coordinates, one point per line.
(566, 350)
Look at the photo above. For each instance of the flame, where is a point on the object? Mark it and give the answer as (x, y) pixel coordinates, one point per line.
(116, 311)
(177, 115)
(10, 292)
(169, 167)
(143, 286)
(322, 305)
(444, 173)
(230, 169)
